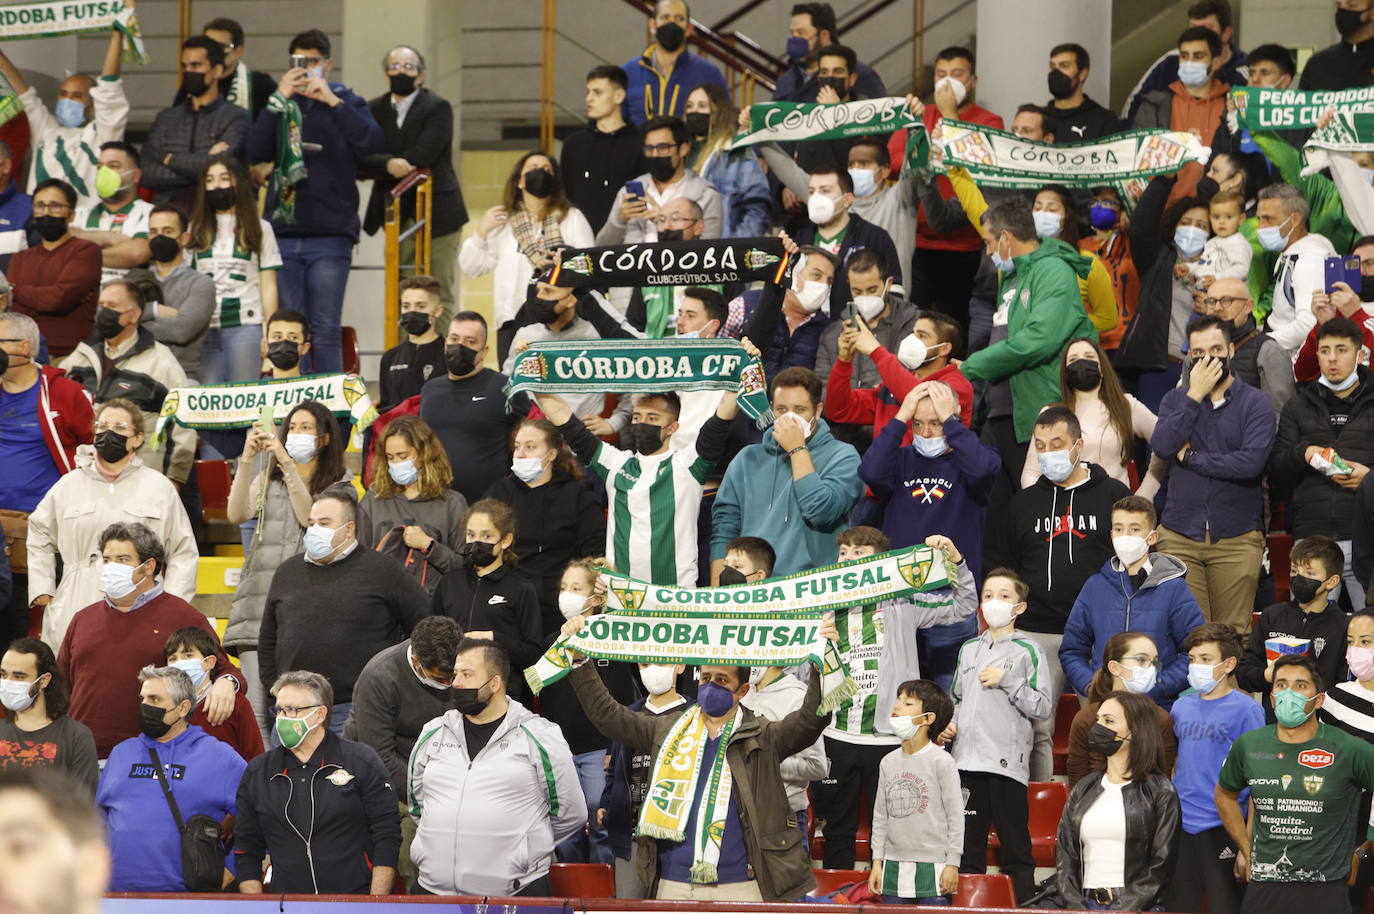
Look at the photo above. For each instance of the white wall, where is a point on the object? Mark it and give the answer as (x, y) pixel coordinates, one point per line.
(1014, 41)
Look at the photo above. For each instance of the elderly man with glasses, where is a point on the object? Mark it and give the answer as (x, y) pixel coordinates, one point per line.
(1259, 361)
(57, 282)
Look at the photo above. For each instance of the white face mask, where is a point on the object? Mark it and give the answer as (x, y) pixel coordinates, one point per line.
(1346, 384)
(756, 674)
(929, 447)
(416, 669)
(913, 352)
(960, 90)
(809, 427)
(820, 209)
(116, 580)
(998, 613)
(1130, 549)
(904, 727)
(689, 335)
(301, 447)
(17, 696)
(869, 306)
(571, 604)
(810, 295)
(657, 679)
(318, 541)
(527, 469)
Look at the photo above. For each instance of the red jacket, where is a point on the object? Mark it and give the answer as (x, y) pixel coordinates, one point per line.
(961, 239)
(879, 404)
(1307, 368)
(65, 414)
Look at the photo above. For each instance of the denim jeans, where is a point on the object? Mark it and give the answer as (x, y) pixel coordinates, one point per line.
(313, 278)
(591, 772)
(231, 354)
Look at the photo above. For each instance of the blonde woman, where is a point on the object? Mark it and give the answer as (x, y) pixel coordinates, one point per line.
(711, 120)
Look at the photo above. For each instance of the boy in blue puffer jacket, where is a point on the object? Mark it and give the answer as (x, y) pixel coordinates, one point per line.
(1134, 591)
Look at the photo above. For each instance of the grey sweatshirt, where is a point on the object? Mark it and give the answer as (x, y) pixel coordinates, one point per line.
(994, 724)
(378, 516)
(774, 702)
(918, 811)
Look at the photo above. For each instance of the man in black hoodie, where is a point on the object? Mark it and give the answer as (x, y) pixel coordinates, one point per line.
(601, 157)
(1059, 535)
(1074, 116)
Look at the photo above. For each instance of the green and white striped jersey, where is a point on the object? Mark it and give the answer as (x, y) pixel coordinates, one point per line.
(651, 528)
(861, 647)
(130, 219)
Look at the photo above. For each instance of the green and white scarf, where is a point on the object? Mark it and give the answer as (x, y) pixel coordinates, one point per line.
(290, 161)
(789, 122)
(1292, 109)
(769, 623)
(10, 105)
(239, 92)
(238, 405)
(667, 806)
(1347, 131)
(1126, 161)
(50, 18)
(643, 366)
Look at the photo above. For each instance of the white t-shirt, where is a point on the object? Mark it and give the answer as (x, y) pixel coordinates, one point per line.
(1103, 836)
(238, 293)
(130, 220)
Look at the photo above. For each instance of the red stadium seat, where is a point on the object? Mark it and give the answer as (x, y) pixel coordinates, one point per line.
(983, 890)
(1068, 706)
(215, 480)
(1280, 548)
(351, 362)
(1046, 800)
(828, 881)
(582, 880)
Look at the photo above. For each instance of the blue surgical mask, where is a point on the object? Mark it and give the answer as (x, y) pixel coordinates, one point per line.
(864, 181)
(1142, 679)
(1189, 240)
(1273, 238)
(1047, 224)
(301, 447)
(1192, 73)
(1200, 677)
(403, 472)
(1005, 265)
(527, 469)
(193, 669)
(1057, 465)
(318, 541)
(70, 112)
(929, 447)
(1348, 383)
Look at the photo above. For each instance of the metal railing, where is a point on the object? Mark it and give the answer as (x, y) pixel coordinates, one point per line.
(422, 183)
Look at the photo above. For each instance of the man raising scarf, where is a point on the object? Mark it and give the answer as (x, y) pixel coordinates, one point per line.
(716, 824)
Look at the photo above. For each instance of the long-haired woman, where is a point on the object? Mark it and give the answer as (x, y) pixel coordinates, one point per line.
(711, 119)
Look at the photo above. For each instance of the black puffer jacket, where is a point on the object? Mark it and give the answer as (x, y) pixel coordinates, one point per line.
(1152, 834)
(1317, 505)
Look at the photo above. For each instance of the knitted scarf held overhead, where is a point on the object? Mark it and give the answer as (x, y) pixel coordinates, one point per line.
(290, 161)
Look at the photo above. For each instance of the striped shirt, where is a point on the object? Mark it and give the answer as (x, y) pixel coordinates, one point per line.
(651, 528)
(236, 272)
(130, 220)
(1349, 706)
(72, 153)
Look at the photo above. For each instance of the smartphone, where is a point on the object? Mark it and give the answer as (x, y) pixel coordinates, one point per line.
(298, 61)
(635, 188)
(1343, 269)
(851, 314)
(267, 420)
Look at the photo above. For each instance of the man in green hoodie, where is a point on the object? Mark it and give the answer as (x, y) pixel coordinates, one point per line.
(1040, 309)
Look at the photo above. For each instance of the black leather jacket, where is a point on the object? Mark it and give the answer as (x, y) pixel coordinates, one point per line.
(1152, 834)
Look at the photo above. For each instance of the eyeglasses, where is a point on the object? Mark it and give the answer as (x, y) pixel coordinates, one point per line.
(660, 149)
(122, 428)
(288, 711)
(673, 219)
(1142, 660)
(55, 208)
(1224, 301)
(406, 67)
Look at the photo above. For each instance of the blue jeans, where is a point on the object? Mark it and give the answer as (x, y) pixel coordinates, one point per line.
(802, 822)
(591, 772)
(231, 354)
(313, 278)
(940, 900)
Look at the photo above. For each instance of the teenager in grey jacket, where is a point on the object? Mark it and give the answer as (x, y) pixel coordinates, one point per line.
(491, 814)
(773, 697)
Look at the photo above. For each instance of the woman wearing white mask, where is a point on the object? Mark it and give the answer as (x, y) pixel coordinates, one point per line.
(560, 515)
(1110, 418)
(409, 511)
(1130, 663)
(35, 694)
(111, 484)
(277, 478)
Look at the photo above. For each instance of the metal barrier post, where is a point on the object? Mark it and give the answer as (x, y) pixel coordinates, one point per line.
(418, 180)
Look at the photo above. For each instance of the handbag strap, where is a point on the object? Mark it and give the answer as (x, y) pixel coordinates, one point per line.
(166, 789)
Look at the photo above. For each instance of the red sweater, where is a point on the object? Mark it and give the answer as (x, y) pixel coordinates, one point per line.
(965, 238)
(58, 288)
(879, 404)
(240, 730)
(103, 651)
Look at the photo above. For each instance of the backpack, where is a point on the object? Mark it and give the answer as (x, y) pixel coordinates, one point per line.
(393, 543)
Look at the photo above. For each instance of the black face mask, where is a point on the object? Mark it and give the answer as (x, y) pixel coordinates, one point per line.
(469, 702)
(839, 83)
(670, 234)
(670, 36)
(539, 183)
(1083, 374)
(459, 359)
(164, 247)
(50, 228)
(642, 437)
(1061, 84)
(541, 310)
(195, 84)
(1104, 740)
(661, 168)
(732, 577)
(1303, 589)
(111, 446)
(4, 361)
(1207, 188)
(151, 723)
(1348, 22)
(1367, 288)
(107, 323)
(477, 554)
(284, 354)
(402, 84)
(698, 123)
(416, 322)
(220, 199)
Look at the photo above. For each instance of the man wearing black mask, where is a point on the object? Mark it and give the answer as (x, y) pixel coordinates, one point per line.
(1075, 117)
(180, 316)
(662, 76)
(417, 132)
(57, 282)
(185, 137)
(409, 364)
(124, 360)
(1349, 63)
(811, 28)
(467, 408)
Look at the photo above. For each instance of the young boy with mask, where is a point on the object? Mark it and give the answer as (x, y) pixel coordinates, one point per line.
(409, 364)
(1134, 591)
(918, 818)
(1000, 689)
(878, 645)
(627, 777)
(193, 651)
(1206, 723)
(1311, 615)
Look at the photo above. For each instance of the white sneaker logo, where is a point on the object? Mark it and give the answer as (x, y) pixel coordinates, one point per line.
(475, 399)
(496, 599)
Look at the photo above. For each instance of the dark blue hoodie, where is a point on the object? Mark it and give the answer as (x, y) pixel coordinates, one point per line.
(946, 494)
(145, 847)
